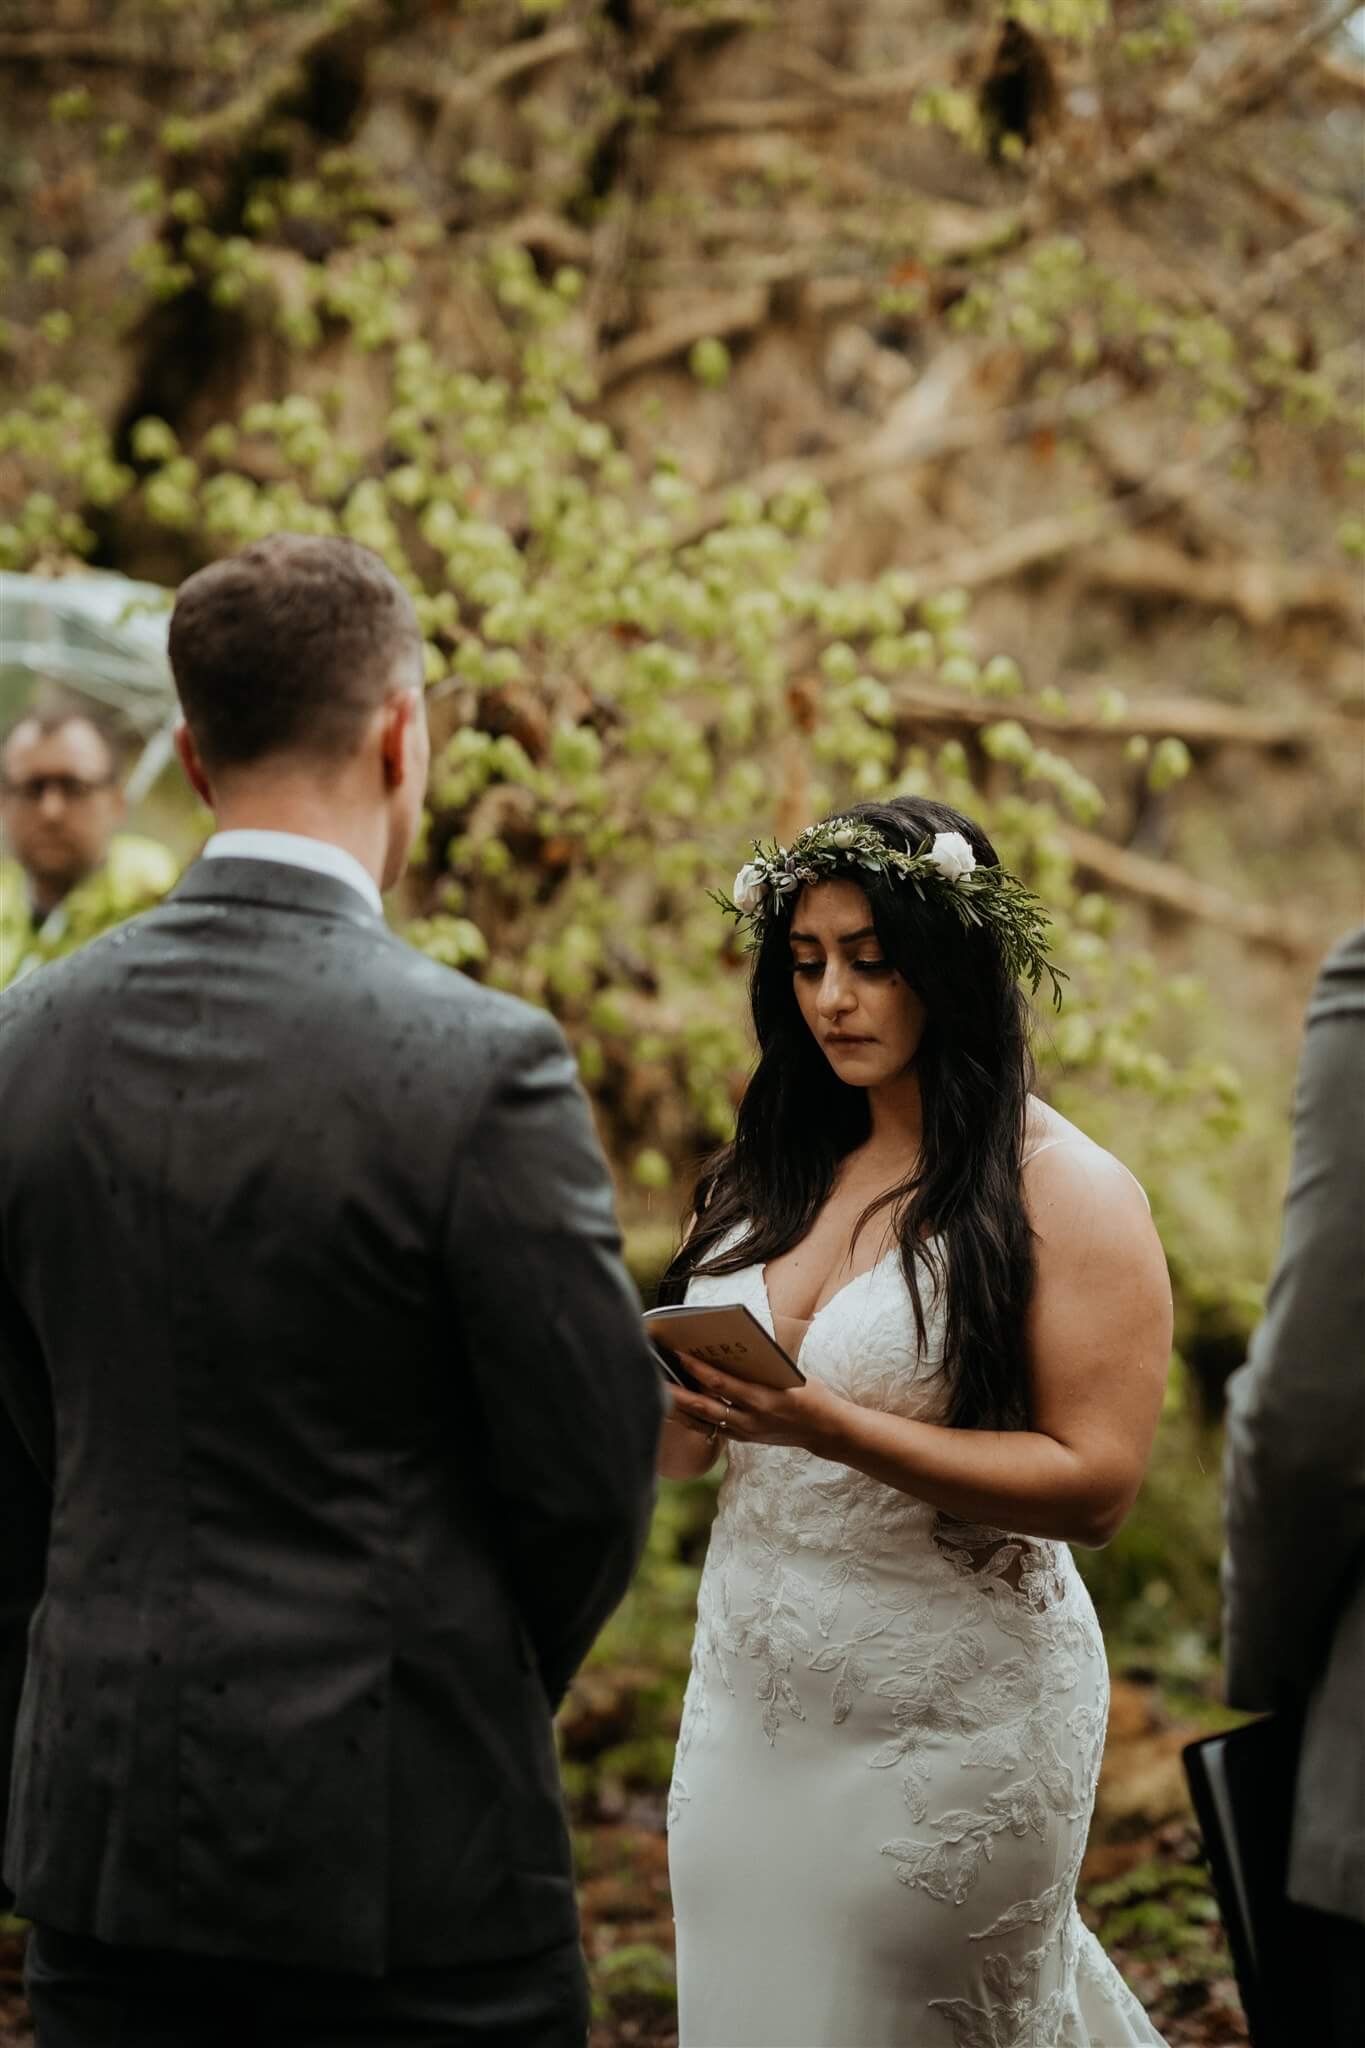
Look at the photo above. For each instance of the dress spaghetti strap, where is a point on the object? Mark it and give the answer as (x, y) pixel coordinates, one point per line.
(1081, 1139)
(1048, 1144)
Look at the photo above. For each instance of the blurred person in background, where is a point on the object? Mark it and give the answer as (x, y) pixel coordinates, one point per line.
(73, 873)
(1294, 1570)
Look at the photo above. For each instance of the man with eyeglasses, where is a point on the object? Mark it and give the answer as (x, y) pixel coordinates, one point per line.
(73, 874)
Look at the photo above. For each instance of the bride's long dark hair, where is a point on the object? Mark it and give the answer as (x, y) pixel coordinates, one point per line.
(798, 1120)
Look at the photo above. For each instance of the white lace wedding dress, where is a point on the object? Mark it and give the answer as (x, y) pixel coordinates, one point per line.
(889, 1748)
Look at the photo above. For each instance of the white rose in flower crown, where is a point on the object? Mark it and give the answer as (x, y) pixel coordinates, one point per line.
(952, 856)
(844, 837)
(750, 888)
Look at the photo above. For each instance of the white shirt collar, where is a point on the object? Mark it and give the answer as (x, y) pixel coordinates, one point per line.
(296, 850)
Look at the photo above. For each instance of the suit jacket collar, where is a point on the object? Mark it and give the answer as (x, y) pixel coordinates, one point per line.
(273, 885)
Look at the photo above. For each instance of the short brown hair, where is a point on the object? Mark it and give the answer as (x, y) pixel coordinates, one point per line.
(52, 710)
(288, 647)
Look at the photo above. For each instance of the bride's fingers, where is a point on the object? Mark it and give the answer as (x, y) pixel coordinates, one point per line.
(696, 1409)
(723, 1386)
(702, 1412)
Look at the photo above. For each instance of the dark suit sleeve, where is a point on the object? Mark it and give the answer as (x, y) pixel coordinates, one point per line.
(564, 1379)
(1295, 1460)
(25, 1503)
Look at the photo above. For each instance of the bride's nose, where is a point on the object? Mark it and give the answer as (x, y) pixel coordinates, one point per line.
(837, 995)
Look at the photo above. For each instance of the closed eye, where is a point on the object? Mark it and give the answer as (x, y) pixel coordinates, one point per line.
(858, 966)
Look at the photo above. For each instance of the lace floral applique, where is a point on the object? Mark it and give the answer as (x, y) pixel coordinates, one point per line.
(948, 1867)
(771, 1635)
(1010, 2018)
(1095, 1967)
(1010, 1725)
(843, 1570)
(1027, 1586)
(927, 1691)
(854, 1672)
(678, 1794)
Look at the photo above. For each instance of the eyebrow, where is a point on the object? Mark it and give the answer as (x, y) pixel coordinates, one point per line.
(867, 931)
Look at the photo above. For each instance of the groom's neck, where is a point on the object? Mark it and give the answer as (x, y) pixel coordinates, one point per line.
(330, 814)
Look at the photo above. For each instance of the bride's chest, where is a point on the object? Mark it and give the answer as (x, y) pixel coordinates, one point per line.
(805, 1280)
(864, 1343)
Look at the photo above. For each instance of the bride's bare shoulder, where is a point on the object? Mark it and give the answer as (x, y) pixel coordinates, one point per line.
(1066, 1172)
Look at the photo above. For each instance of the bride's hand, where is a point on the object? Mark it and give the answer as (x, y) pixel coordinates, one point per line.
(807, 1417)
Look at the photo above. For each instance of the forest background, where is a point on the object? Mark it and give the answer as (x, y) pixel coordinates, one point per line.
(769, 405)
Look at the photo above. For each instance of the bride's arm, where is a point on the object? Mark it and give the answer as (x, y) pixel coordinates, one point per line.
(685, 1452)
(1098, 1342)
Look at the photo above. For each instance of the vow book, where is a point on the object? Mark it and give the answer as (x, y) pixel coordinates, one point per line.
(724, 1334)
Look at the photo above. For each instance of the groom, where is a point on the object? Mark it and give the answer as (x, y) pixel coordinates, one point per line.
(327, 1422)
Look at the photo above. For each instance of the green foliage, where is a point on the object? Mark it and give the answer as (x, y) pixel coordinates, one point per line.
(1156, 1585)
(1165, 1911)
(1076, 20)
(652, 1629)
(632, 677)
(637, 1971)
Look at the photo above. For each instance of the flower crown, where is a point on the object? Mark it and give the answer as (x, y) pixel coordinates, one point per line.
(944, 870)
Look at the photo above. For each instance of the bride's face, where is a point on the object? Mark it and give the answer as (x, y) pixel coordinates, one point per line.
(866, 1019)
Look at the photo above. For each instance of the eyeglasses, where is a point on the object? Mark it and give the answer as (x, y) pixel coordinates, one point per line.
(72, 789)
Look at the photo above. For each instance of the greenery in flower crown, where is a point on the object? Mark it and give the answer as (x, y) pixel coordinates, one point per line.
(944, 870)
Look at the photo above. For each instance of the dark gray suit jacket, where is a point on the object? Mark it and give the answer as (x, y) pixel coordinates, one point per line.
(1294, 1572)
(315, 1336)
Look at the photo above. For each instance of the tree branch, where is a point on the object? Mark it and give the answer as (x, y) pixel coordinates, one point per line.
(1119, 448)
(550, 232)
(430, 83)
(719, 117)
(1024, 547)
(1168, 889)
(841, 92)
(1197, 721)
(1263, 592)
(1249, 87)
(871, 88)
(722, 318)
(285, 78)
(1290, 203)
(1335, 74)
(919, 428)
(1332, 238)
(87, 46)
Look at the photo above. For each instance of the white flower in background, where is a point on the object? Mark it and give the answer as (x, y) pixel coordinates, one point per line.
(952, 856)
(751, 886)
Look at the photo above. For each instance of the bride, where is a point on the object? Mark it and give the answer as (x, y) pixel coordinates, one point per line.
(893, 1727)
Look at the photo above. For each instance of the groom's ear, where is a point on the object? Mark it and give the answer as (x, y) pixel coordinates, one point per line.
(191, 763)
(399, 717)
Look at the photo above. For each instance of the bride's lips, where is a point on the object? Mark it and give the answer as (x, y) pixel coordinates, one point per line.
(839, 1038)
